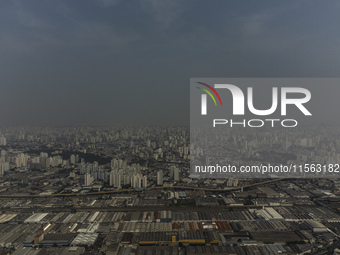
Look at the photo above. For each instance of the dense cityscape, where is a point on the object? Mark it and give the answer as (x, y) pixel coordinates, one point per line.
(127, 190)
(169, 127)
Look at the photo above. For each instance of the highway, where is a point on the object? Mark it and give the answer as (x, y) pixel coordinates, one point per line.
(146, 189)
(219, 208)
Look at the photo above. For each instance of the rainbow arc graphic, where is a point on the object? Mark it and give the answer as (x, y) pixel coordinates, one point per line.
(204, 97)
(209, 93)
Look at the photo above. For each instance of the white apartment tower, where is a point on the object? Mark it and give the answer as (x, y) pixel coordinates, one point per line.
(160, 176)
(88, 179)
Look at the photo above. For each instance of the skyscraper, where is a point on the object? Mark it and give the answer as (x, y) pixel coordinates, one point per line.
(3, 141)
(73, 159)
(160, 178)
(136, 181)
(115, 179)
(145, 182)
(88, 179)
(176, 174)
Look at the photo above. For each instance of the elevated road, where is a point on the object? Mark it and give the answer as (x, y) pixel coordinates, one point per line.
(147, 189)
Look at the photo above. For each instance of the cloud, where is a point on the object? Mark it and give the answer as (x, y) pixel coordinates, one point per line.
(108, 3)
(26, 33)
(31, 32)
(101, 34)
(256, 24)
(163, 12)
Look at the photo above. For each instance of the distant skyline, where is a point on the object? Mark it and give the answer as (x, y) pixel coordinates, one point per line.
(113, 61)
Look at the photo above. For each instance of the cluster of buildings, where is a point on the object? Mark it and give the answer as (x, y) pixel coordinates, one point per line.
(117, 191)
(267, 230)
(249, 147)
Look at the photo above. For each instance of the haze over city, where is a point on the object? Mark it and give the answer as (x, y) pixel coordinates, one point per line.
(97, 156)
(114, 61)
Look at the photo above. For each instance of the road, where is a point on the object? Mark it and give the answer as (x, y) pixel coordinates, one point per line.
(147, 189)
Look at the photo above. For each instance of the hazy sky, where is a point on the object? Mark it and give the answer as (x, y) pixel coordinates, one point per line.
(111, 61)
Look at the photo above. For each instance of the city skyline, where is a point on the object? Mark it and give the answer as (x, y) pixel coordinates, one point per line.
(183, 127)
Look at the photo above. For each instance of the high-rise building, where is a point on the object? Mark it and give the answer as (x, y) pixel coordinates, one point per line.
(73, 159)
(172, 172)
(3, 153)
(88, 179)
(139, 181)
(3, 141)
(160, 176)
(186, 150)
(145, 181)
(114, 163)
(118, 164)
(176, 174)
(136, 181)
(21, 160)
(82, 168)
(43, 154)
(45, 162)
(115, 179)
(4, 166)
(3, 156)
(111, 178)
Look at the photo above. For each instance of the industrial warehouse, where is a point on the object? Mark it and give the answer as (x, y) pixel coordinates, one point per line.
(197, 232)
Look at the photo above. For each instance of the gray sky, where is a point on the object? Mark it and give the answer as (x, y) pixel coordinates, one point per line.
(112, 61)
